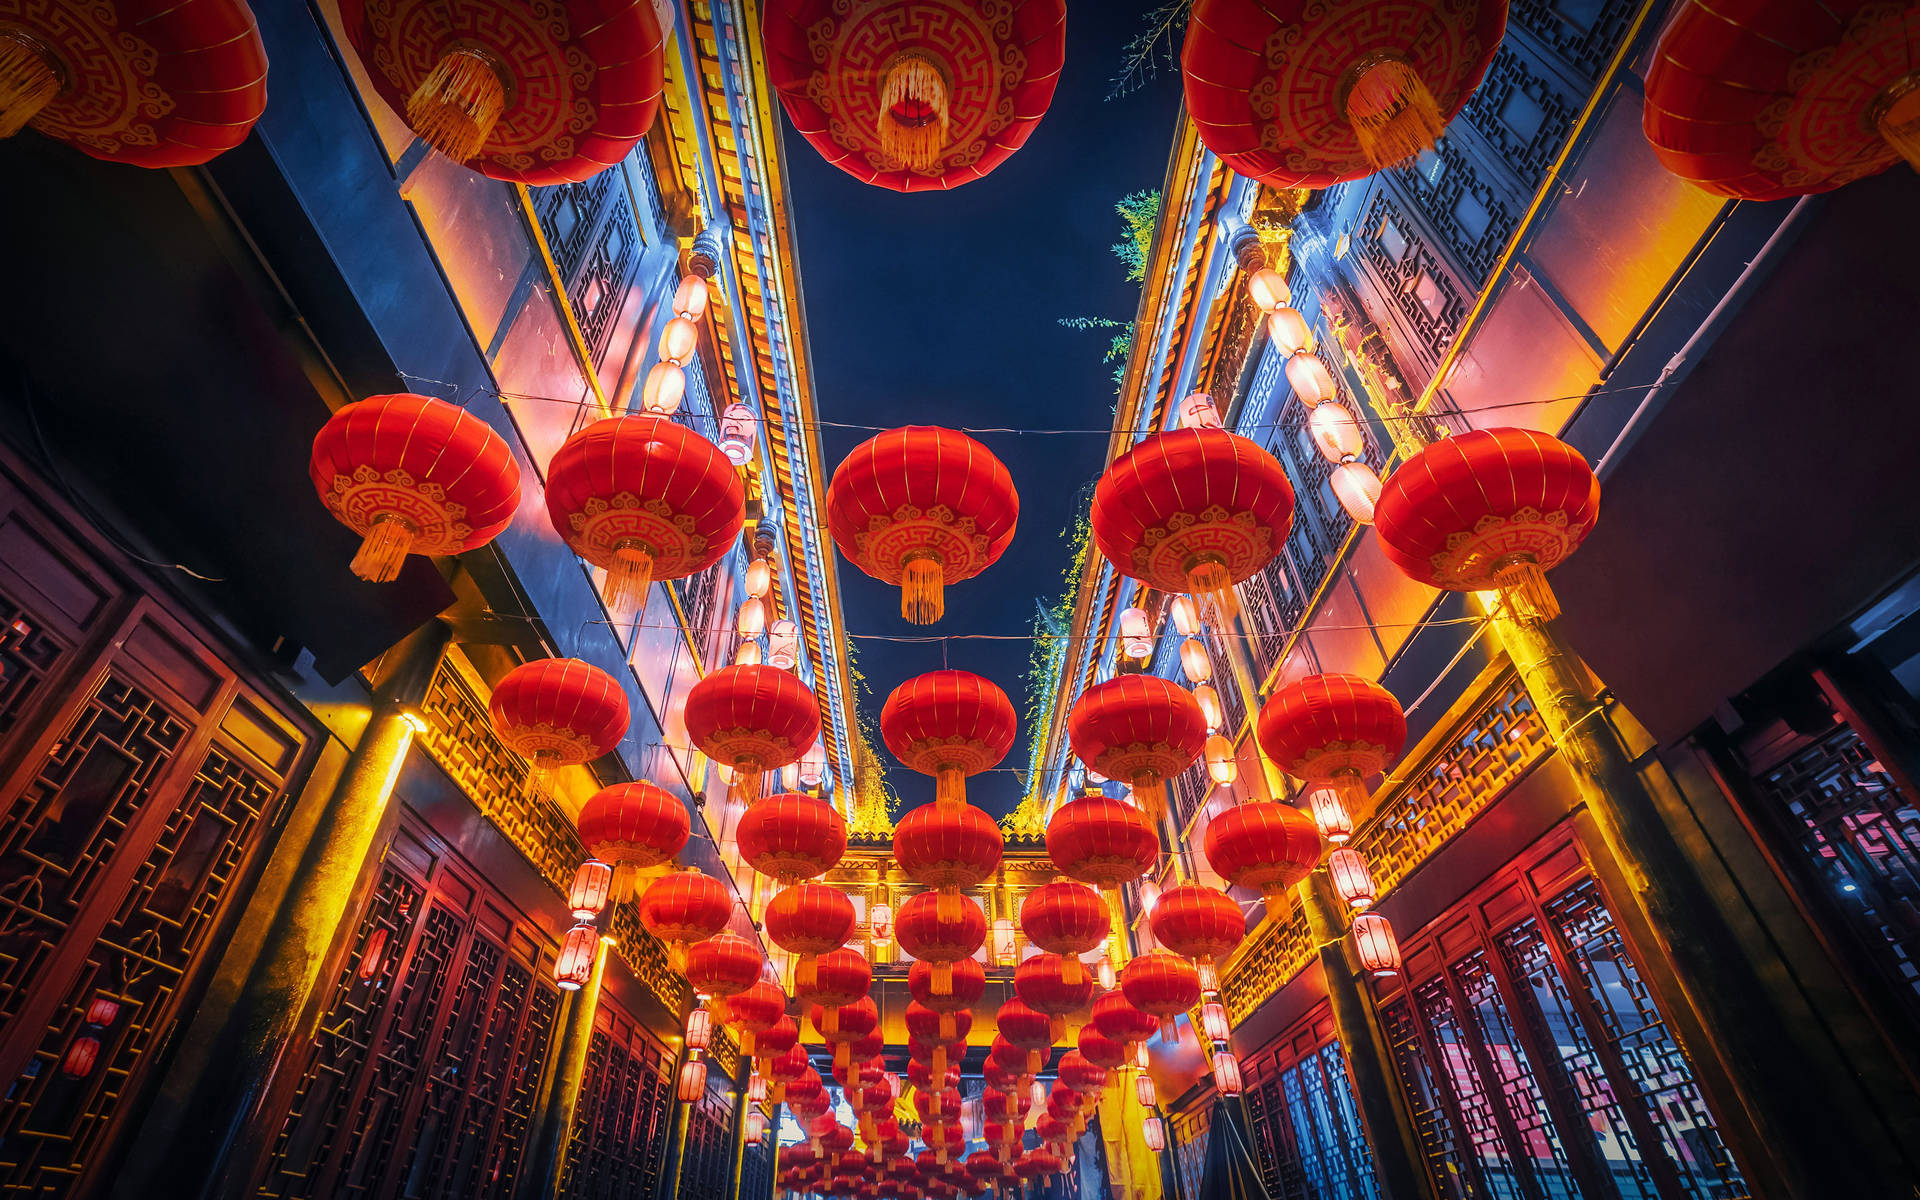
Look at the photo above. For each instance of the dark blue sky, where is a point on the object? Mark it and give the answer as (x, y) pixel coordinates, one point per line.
(943, 309)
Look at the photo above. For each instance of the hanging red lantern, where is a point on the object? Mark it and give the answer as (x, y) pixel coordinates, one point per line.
(1351, 878)
(753, 1011)
(683, 908)
(1198, 922)
(1329, 728)
(644, 499)
(1068, 919)
(1263, 846)
(1114, 1017)
(791, 837)
(920, 1072)
(847, 1024)
(922, 101)
(1762, 101)
(966, 980)
(783, 1067)
(535, 95)
(412, 475)
(1081, 1074)
(1192, 510)
(840, 977)
(1104, 1052)
(1042, 984)
(1163, 985)
(1487, 510)
(927, 933)
(1297, 94)
(1138, 728)
(1029, 1030)
(1036, 1164)
(724, 965)
(1100, 841)
(1373, 941)
(558, 712)
(932, 1103)
(171, 85)
(808, 920)
(934, 1027)
(592, 885)
(922, 507)
(634, 826)
(949, 724)
(752, 719)
(574, 968)
(947, 846)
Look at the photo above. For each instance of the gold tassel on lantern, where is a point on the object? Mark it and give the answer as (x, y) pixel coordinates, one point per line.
(943, 979)
(949, 785)
(1393, 115)
(1896, 114)
(1073, 972)
(913, 112)
(1169, 1030)
(947, 1028)
(939, 1079)
(804, 974)
(1525, 591)
(29, 81)
(946, 905)
(384, 548)
(842, 1054)
(1035, 1060)
(922, 602)
(746, 1043)
(747, 782)
(1211, 582)
(829, 1022)
(455, 107)
(629, 577)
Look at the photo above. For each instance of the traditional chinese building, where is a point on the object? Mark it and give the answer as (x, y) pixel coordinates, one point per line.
(320, 879)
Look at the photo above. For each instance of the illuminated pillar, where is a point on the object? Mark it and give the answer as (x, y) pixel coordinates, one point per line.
(551, 1126)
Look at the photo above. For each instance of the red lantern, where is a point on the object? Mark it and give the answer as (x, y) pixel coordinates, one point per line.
(574, 967)
(102, 1011)
(753, 1011)
(1035, 1164)
(1082, 1074)
(947, 846)
(1114, 1017)
(1297, 94)
(1761, 101)
(949, 724)
(934, 1027)
(1100, 841)
(920, 1073)
(1489, 509)
(644, 499)
(1028, 1030)
(555, 94)
(936, 1103)
(922, 507)
(1192, 510)
(1328, 728)
(413, 475)
(1373, 941)
(1042, 984)
(78, 1061)
(724, 965)
(1104, 1052)
(966, 980)
(785, 1068)
(839, 977)
(1351, 878)
(792, 837)
(846, 1025)
(752, 719)
(591, 887)
(929, 99)
(558, 712)
(1162, 984)
(171, 85)
(809, 919)
(683, 908)
(1263, 846)
(1067, 919)
(1198, 922)
(634, 826)
(926, 932)
(1139, 728)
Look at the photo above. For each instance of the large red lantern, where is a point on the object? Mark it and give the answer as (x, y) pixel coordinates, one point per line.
(1106, 1052)
(949, 724)
(683, 908)
(1491, 509)
(1263, 846)
(753, 719)
(783, 1060)
(1082, 1074)
(846, 1025)
(791, 837)
(1302, 94)
(1044, 983)
(947, 846)
(754, 1010)
(1100, 841)
(1115, 1017)
(929, 934)
(724, 965)
(1193, 510)
(922, 507)
(1027, 1029)
(966, 984)
(808, 920)
(1198, 922)
(1139, 728)
(558, 712)
(644, 499)
(411, 475)
(635, 827)
(933, 1027)
(839, 977)
(534, 94)
(921, 98)
(1333, 730)
(1067, 919)
(1760, 100)
(1163, 985)
(152, 85)
(931, 1103)
(1036, 1164)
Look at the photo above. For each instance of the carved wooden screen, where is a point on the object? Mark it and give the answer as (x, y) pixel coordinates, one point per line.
(707, 1171)
(1534, 1059)
(756, 1171)
(621, 1123)
(1305, 1125)
(145, 783)
(422, 1079)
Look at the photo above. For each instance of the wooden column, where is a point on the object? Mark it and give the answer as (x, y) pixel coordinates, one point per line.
(551, 1127)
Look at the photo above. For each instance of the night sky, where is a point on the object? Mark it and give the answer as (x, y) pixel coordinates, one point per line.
(943, 309)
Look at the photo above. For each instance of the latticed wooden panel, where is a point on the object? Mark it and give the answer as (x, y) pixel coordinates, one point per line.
(619, 1138)
(1280, 949)
(706, 1173)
